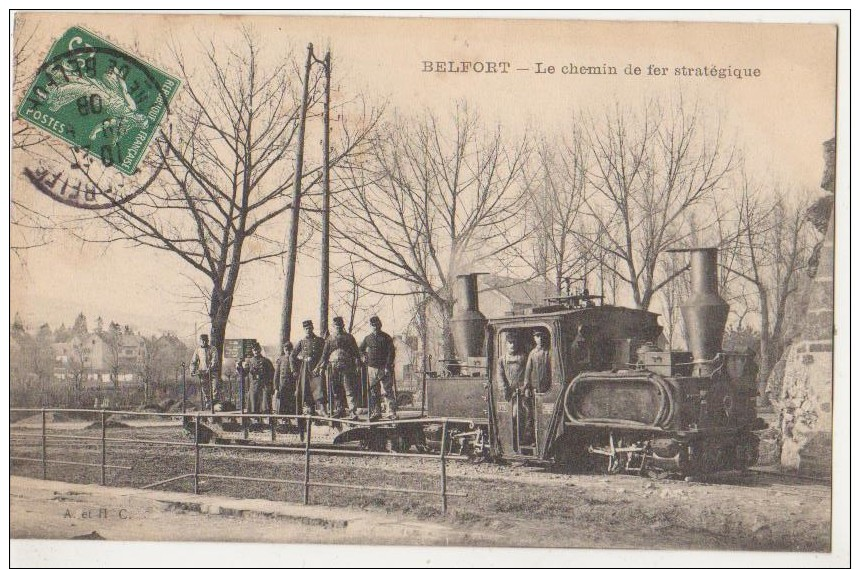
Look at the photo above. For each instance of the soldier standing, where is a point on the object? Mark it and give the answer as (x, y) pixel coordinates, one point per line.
(377, 350)
(537, 367)
(511, 372)
(285, 382)
(243, 375)
(340, 354)
(537, 376)
(511, 368)
(305, 359)
(261, 372)
(204, 364)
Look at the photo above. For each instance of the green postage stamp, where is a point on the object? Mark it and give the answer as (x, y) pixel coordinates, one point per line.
(99, 98)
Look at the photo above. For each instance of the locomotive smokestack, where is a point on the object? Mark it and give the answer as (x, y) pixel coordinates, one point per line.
(704, 312)
(468, 323)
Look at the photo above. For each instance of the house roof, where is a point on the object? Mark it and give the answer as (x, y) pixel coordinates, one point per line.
(517, 291)
(130, 341)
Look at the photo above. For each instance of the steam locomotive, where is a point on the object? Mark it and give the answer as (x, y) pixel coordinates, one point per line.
(611, 398)
(608, 397)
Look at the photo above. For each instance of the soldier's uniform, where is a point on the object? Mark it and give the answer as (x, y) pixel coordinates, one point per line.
(243, 369)
(285, 383)
(338, 360)
(377, 349)
(204, 364)
(537, 374)
(305, 359)
(261, 372)
(511, 372)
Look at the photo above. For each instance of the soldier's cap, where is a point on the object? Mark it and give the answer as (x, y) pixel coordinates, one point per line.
(375, 320)
(337, 321)
(307, 324)
(539, 332)
(204, 336)
(256, 346)
(288, 345)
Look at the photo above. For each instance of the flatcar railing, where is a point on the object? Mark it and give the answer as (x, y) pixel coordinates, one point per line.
(308, 449)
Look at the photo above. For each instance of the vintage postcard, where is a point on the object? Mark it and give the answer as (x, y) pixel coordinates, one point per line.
(559, 285)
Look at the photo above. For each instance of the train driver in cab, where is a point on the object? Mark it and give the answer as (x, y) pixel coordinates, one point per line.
(538, 366)
(511, 366)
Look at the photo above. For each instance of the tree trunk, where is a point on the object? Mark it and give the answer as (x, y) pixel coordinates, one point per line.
(218, 311)
(764, 349)
(289, 285)
(446, 310)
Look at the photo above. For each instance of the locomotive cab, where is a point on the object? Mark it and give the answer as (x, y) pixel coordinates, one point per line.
(527, 423)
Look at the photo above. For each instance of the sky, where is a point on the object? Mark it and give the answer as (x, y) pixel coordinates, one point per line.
(780, 119)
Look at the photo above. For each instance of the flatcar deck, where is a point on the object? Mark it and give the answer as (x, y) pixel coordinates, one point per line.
(236, 427)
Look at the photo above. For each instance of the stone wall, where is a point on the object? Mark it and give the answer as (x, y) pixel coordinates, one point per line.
(805, 392)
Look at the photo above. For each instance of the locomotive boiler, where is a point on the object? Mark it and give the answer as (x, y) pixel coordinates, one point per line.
(608, 398)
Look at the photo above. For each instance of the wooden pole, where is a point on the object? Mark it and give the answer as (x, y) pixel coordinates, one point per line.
(442, 454)
(104, 447)
(308, 424)
(44, 449)
(184, 389)
(324, 256)
(197, 453)
(287, 310)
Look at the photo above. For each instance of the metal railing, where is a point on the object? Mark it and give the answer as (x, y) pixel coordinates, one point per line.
(196, 420)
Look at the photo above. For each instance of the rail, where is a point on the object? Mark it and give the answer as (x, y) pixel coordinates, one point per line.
(308, 448)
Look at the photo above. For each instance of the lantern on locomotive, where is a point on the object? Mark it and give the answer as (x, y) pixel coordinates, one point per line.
(606, 395)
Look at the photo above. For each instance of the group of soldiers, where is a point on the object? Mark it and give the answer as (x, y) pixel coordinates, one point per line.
(316, 376)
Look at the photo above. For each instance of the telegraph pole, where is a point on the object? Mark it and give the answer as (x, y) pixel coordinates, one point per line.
(324, 257)
(287, 312)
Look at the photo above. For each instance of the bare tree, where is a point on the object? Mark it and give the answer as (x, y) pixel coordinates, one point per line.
(352, 301)
(770, 255)
(222, 172)
(648, 169)
(31, 364)
(78, 365)
(555, 250)
(24, 135)
(672, 295)
(113, 341)
(434, 199)
(31, 227)
(158, 365)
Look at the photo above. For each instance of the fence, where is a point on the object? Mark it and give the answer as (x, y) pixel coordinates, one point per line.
(195, 422)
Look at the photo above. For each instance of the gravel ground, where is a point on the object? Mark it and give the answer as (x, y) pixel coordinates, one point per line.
(530, 506)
